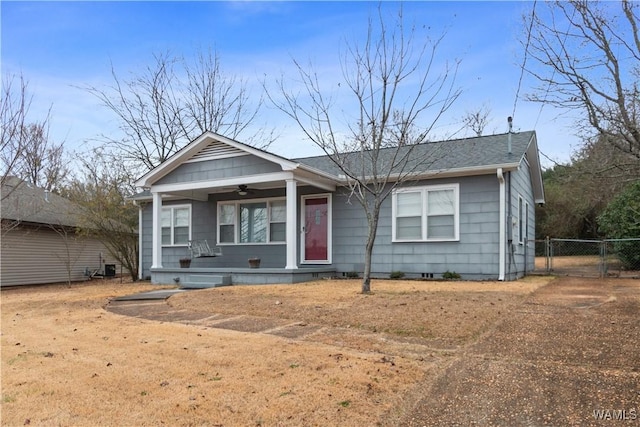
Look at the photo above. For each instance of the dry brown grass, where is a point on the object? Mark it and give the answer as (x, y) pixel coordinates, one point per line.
(569, 261)
(67, 361)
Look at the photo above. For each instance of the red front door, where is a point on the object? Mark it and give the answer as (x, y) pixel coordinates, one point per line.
(316, 228)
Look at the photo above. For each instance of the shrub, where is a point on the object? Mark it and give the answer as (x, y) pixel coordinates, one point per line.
(396, 275)
(621, 220)
(450, 275)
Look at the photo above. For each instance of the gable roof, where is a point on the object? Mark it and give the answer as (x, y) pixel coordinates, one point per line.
(24, 202)
(209, 146)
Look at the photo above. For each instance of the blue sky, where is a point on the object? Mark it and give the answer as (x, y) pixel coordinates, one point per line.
(60, 47)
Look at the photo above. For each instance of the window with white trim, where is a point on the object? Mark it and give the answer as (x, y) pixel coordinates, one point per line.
(277, 220)
(176, 225)
(255, 221)
(521, 222)
(429, 213)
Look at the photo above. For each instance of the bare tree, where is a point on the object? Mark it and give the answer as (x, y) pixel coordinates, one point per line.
(220, 102)
(399, 91)
(477, 120)
(27, 152)
(589, 54)
(101, 189)
(172, 102)
(42, 162)
(14, 107)
(73, 247)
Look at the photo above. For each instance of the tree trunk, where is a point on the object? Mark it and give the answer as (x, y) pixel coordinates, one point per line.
(368, 251)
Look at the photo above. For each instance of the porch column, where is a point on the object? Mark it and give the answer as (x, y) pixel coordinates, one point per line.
(292, 226)
(156, 231)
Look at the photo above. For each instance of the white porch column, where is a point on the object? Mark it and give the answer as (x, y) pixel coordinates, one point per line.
(156, 231)
(292, 234)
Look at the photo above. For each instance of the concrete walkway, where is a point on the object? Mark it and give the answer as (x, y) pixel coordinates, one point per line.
(161, 294)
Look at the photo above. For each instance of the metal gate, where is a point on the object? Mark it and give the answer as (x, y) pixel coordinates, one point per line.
(589, 258)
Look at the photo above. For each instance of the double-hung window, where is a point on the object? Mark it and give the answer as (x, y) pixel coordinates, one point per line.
(523, 220)
(176, 225)
(252, 222)
(429, 213)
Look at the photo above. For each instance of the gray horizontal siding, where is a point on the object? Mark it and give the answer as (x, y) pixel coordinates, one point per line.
(218, 169)
(522, 256)
(36, 256)
(475, 255)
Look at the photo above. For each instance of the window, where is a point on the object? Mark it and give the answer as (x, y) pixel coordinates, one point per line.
(425, 213)
(176, 225)
(227, 221)
(521, 223)
(409, 216)
(278, 221)
(252, 222)
(523, 220)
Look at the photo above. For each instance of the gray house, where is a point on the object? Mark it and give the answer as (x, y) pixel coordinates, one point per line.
(469, 210)
(40, 243)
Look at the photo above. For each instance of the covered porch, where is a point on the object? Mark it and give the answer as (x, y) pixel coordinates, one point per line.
(245, 202)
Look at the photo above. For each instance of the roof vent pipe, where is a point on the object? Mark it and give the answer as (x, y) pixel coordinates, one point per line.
(510, 121)
(46, 196)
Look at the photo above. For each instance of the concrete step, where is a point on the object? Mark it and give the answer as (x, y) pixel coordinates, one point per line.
(200, 281)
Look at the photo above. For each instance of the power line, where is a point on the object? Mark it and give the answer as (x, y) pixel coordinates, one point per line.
(524, 61)
(553, 72)
(555, 162)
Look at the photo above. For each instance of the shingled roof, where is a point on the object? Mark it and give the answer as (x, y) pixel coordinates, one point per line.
(451, 155)
(456, 157)
(26, 203)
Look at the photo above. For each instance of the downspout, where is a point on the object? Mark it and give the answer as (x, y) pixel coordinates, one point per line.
(140, 272)
(510, 225)
(502, 244)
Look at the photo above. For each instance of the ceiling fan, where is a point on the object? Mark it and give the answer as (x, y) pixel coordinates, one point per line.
(243, 190)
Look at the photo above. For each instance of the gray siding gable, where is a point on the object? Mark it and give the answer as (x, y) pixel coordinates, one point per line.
(229, 167)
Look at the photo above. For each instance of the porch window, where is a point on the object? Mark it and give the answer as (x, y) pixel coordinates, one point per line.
(252, 222)
(176, 225)
(427, 213)
(277, 220)
(227, 221)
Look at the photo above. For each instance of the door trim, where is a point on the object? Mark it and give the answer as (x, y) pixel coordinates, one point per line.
(329, 229)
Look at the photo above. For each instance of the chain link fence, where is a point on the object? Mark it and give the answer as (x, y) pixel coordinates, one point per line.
(589, 258)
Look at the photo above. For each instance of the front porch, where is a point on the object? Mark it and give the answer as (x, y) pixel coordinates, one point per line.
(246, 203)
(238, 276)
